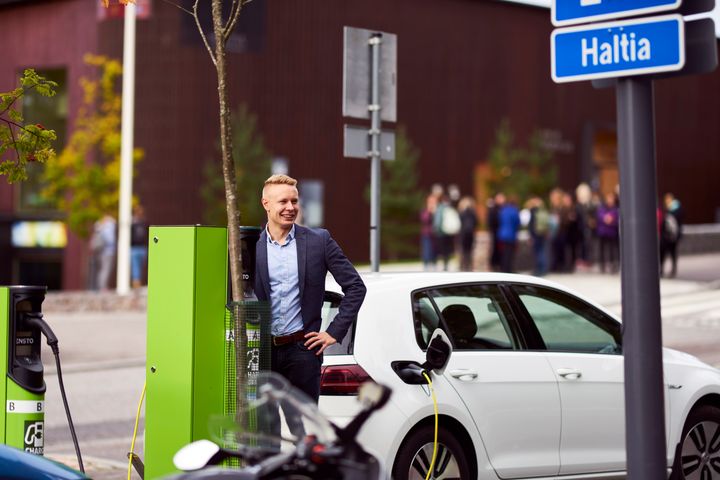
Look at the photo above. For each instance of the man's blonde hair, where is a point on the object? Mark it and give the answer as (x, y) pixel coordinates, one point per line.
(281, 180)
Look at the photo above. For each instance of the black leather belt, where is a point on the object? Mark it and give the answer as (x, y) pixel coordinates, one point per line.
(291, 338)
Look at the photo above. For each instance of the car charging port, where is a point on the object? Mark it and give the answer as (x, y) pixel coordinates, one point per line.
(410, 372)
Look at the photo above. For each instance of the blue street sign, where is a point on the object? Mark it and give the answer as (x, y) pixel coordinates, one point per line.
(618, 49)
(570, 12)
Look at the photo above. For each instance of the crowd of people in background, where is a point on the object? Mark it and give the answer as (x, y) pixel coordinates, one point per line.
(446, 221)
(577, 230)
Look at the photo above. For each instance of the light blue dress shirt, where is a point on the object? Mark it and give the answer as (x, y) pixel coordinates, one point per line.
(284, 285)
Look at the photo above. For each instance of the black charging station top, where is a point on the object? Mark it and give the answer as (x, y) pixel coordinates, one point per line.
(24, 342)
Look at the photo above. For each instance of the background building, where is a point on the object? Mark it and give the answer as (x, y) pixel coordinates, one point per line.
(463, 66)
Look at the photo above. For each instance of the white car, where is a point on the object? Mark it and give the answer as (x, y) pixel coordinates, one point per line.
(533, 388)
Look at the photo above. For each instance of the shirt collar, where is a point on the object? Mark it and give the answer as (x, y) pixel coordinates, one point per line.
(289, 238)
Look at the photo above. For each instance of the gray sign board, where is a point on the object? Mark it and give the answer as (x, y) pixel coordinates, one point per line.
(357, 65)
(357, 143)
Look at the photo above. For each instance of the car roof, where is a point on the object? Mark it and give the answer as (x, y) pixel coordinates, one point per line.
(402, 283)
(414, 280)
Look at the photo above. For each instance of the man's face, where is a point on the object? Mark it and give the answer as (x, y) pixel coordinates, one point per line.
(281, 204)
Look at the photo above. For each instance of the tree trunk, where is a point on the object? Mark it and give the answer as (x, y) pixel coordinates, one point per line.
(233, 217)
(228, 165)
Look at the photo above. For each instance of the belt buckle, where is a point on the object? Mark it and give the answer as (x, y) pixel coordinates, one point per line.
(274, 343)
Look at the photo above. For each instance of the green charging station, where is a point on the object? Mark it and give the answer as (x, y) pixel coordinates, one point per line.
(21, 370)
(187, 292)
(193, 359)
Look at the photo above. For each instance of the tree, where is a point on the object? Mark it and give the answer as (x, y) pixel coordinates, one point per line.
(215, 43)
(400, 200)
(27, 142)
(87, 190)
(252, 167)
(521, 171)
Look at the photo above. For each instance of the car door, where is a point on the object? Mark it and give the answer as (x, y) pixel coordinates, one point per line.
(583, 347)
(512, 395)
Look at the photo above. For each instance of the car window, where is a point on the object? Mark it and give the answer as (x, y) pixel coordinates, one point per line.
(472, 315)
(331, 303)
(567, 324)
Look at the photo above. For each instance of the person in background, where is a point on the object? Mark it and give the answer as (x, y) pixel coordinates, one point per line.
(572, 232)
(608, 222)
(104, 243)
(539, 229)
(508, 227)
(494, 207)
(586, 220)
(558, 231)
(670, 232)
(138, 245)
(446, 225)
(468, 224)
(428, 242)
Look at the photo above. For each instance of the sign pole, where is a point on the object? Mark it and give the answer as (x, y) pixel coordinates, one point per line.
(642, 328)
(374, 107)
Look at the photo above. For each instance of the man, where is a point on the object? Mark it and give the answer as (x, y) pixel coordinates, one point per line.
(291, 264)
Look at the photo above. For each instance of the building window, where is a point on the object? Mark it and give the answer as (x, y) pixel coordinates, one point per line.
(311, 202)
(51, 112)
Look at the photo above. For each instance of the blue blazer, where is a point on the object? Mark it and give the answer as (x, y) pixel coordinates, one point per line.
(317, 254)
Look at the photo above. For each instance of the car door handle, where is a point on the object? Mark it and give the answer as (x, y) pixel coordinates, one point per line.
(464, 375)
(569, 373)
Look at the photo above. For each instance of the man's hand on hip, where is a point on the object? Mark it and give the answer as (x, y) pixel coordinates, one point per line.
(319, 339)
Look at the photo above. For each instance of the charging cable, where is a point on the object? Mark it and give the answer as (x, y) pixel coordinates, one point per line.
(131, 455)
(36, 320)
(435, 440)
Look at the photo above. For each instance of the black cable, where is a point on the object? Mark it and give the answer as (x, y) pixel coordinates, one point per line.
(67, 411)
(36, 320)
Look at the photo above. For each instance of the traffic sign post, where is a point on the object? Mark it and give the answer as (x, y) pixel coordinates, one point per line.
(370, 91)
(632, 53)
(640, 282)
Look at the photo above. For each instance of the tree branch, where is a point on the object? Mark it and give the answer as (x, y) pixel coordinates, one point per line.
(202, 34)
(24, 91)
(178, 6)
(232, 19)
(14, 142)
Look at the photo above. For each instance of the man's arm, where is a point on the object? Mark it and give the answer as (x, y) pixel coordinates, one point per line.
(352, 286)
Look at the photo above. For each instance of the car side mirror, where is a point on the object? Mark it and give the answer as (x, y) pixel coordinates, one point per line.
(438, 352)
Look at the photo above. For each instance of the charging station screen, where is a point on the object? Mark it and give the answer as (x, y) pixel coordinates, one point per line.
(23, 344)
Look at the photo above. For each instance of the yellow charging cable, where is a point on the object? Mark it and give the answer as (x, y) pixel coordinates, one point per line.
(435, 440)
(132, 444)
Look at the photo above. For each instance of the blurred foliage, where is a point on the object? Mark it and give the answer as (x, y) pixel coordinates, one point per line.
(83, 188)
(253, 164)
(27, 142)
(400, 200)
(521, 171)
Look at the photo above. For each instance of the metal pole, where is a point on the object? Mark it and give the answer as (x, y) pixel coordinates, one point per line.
(126, 152)
(374, 107)
(642, 329)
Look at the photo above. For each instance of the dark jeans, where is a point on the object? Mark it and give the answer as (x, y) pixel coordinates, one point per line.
(538, 245)
(301, 367)
(608, 254)
(668, 248)
(507, 256)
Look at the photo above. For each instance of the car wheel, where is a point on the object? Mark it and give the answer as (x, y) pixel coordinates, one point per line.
(415, 454)
(698, 455)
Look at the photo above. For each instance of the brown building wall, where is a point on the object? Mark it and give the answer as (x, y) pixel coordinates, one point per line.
(463, 65)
